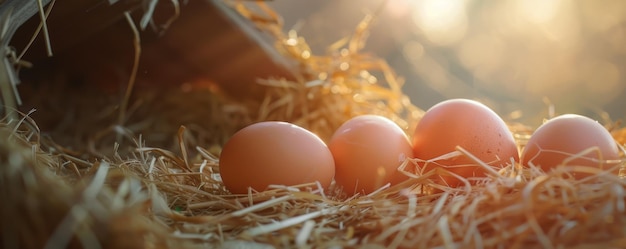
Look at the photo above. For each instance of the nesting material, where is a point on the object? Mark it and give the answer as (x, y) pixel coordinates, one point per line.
(333, 87)
(171, 195)
(44, 207)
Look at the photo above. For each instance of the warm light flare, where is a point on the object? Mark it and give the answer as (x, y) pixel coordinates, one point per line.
(538, 11)
(442, 21)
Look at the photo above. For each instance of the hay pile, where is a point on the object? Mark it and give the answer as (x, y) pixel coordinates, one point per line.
(106, 186)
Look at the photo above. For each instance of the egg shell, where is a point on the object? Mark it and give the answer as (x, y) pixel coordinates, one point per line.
(469, 124)
(368, 150)
(274, 152)
(559, 138)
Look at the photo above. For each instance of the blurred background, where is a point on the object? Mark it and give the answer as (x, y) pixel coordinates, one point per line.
(517, 56)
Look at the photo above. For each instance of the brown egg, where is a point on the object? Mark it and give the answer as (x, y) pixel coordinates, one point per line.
(555, 141)
(274, 152)
(367, 150)
(469, 124)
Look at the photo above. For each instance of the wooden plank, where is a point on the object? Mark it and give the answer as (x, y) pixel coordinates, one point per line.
(208, 42)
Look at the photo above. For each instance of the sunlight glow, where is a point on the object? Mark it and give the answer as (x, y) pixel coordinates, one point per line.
(443, 21)
(538, 11)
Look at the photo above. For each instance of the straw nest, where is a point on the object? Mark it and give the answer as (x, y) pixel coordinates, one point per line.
(104, 186)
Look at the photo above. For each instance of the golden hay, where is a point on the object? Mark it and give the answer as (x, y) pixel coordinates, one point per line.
(160, 199)
(127, 194)
(330, 88)
(42, 208)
